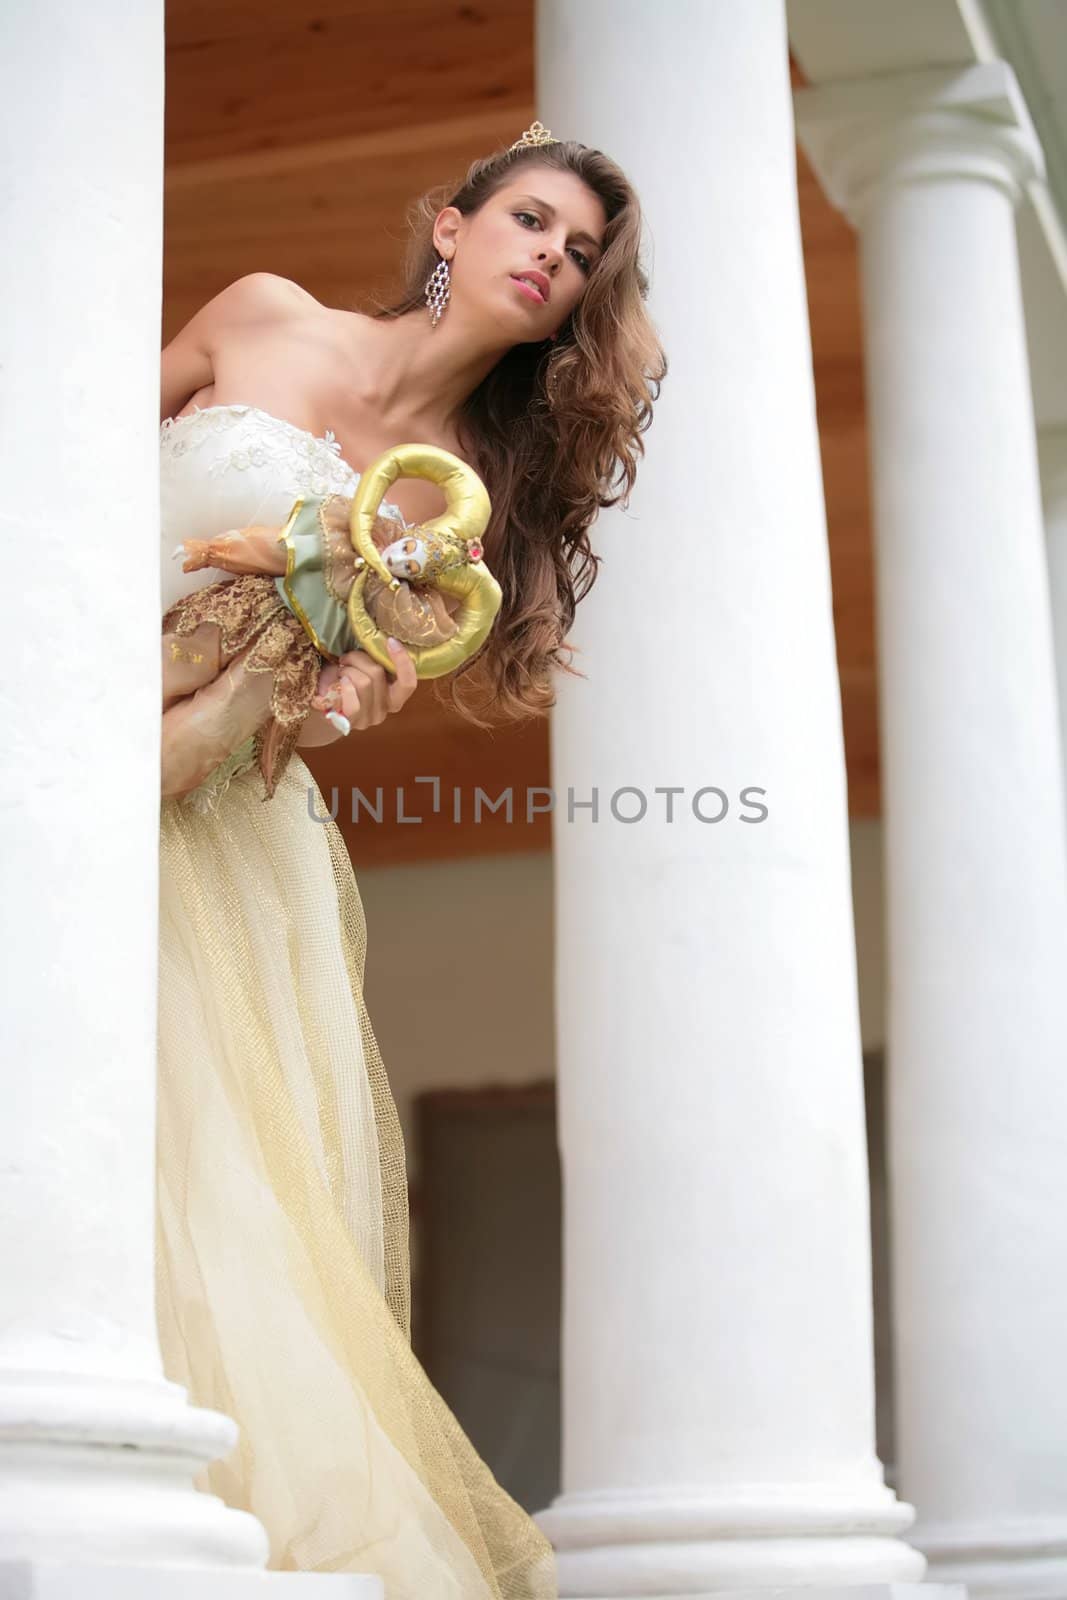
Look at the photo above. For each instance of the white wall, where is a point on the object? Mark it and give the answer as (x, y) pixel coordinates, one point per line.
(478, 934)
(459, 973)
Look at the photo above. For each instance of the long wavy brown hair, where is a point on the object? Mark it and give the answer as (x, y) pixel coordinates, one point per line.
(554, 431)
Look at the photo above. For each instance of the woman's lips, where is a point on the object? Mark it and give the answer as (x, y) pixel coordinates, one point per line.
(532, 294)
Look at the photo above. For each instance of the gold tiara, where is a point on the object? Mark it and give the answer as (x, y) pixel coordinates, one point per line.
(535, 135)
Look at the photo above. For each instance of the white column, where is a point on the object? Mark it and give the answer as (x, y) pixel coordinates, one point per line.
(1052, 454)
(929, 167)
(97, 1450)
(718, 1427)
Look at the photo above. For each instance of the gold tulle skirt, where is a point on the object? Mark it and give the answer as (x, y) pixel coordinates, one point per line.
(282, 1264)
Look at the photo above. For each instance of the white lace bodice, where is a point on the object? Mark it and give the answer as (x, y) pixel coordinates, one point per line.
(228, 466)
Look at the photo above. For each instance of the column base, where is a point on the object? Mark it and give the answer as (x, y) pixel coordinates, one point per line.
(648, 1545)
(39, 1580)
(849, 1591)
(99, 1471)
(1024, 1559)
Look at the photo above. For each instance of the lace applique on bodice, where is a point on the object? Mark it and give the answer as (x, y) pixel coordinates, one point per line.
(254, 438)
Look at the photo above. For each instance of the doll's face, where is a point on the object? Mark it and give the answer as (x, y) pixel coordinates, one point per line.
(405, 558)
(540, 222)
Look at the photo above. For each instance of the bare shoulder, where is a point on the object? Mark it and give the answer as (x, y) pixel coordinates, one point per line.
(249, 309)
(270, 286)
(257, 297)
(260, 297)
(263, 294)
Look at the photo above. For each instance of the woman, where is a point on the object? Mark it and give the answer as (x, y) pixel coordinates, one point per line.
(522, 345)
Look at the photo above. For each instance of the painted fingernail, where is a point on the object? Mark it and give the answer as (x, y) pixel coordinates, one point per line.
(340, 722)
(394, 644)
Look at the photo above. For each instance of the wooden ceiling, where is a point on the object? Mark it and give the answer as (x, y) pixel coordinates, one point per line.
(296, 134)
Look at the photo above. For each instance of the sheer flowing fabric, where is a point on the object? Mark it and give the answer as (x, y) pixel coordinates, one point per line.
(282, 1266)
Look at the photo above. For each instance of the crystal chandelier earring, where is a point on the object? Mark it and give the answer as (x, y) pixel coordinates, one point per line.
(438, 289)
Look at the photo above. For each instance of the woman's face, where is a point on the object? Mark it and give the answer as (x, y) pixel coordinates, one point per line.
(543, 224)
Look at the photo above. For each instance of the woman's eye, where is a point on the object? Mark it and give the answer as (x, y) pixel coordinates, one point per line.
(583, 261)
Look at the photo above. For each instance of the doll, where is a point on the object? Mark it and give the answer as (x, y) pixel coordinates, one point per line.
(335, 577)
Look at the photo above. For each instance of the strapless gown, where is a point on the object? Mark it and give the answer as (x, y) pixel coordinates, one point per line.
(282, 1228)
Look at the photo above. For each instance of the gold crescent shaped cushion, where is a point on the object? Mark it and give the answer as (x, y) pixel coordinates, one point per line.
(463, 577)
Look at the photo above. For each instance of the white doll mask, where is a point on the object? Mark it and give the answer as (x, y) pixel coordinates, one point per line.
(405, 558)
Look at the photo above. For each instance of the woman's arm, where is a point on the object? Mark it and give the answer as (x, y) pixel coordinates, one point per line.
(203, 729)
(210, 724)
(185, 367)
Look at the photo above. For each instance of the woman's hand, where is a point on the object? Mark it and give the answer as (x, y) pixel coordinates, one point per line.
(360, 692)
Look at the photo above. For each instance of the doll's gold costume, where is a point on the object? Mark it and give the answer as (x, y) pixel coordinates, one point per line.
(282, 1266)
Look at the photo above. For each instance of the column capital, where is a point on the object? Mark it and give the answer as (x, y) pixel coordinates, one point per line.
(939, 124)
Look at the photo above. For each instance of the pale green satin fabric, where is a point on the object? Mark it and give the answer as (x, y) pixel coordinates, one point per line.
(304, 588)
